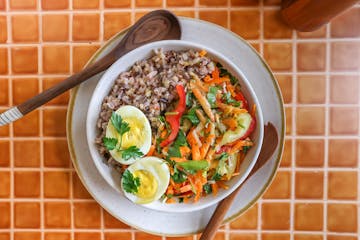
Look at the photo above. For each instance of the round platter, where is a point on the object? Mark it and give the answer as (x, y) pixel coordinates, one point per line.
(178, 224)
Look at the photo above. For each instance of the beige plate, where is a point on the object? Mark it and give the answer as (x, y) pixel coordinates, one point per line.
(175, 224)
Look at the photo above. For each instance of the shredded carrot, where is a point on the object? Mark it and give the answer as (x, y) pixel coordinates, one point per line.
(170, 190)
(204, 103)
(214, 188)
(210, 155)
(178, 159)
(195, 151)
(207, 78)
(222, 185)
(184, 150)
(215, 74)
(200, 115)
(219, 80)
(231, 89)
(230, 109)
(163, 133)
(230, 123)
(239, 144)
(151, 151)
(253, 110)
(185, 188)
(202, 53)
(170, 200)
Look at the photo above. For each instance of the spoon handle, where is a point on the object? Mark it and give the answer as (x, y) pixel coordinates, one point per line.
(29, 105)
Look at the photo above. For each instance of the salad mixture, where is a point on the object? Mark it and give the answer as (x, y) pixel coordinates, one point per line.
(197, 144)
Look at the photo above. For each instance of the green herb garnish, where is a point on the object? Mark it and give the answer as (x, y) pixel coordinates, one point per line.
(207, 188)
(229, 100)
(211, 96)
(191, 115)
(130, 184)
(178, 176)
(224, 72)
(131, 152)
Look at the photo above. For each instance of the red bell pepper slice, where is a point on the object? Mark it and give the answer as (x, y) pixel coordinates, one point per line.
(240, 97)
(174, 119)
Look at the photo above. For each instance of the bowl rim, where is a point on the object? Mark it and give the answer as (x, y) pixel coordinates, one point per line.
(143, 51)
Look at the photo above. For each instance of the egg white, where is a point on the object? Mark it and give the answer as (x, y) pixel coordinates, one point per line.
(125, 112)
(160, 171)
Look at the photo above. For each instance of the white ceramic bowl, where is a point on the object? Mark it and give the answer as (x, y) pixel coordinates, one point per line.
(106, 82)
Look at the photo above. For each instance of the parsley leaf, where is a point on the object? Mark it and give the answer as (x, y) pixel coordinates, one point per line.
(191, 115)
(180, 139)
(207, 188)
(246, 148)
(224, 72)
(110, 143)
(216, 177)
(121, 126)
(211, 96)
(181, 200)
(131, 152)
(223, 156)
(130, 184)
(228, 99)
(178, 176)
(189, 99)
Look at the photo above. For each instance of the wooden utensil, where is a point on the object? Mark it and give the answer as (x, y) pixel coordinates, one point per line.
(270, 143)
(154, 26)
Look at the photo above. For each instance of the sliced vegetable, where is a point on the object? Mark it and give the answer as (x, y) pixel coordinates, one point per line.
(194, 165)
(246, 124)
(204, 103)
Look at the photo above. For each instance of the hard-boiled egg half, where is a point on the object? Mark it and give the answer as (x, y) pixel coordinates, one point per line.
(139, 134)
(149, 181)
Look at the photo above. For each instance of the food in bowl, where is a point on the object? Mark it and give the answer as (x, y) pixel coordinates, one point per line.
(200, 132)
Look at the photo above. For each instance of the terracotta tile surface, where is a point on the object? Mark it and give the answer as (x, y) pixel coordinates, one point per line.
(313, 197)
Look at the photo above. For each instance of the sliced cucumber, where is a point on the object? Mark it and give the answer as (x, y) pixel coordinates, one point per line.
(246, 124)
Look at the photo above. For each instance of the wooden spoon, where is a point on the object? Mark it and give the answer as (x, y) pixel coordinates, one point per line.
(154, 26)
(270, 143)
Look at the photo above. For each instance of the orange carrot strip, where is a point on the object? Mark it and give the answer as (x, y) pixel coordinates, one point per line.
(231, 89)
(170, 200)
(222, 185)
(178, 159)
(200, 115)
(230, 109)
(219, 80)
(195, 152)
(204, 103)
(184, 150)
(230, 123)
(151, 151)
(185, 188)
(202, 53)
(215, 74)
(170, 190)
(214, 188)
(207, 78)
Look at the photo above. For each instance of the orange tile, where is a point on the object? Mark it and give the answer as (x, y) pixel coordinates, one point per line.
(119, 235)
(311, 89)
(309, 185)
(344, 89)
(79, 191)
(346, 24)
(24, 59)
(339, 237)
(274, 26)
(285, 83)
(343, 152)
(2, 4)
(310, 121)
(23, 4)
(56, 184)
(342, 185)
(4, 97)
(345, 56)
(27, 184)
(4, 235)
(3, 29)
(245, 23)
(138, 15)
(183, 3)
(212, 2)
(3, 61)
(27, 235)
(275, 236)
(180, 238)
(243, 236)
(308, 237)
(272, 2)
(115, 22)
(54, 123)
(57, 215)
(275, 216)
(85, 4)
(27, 215)
(319, 33)
(57, 236)
(56, 59)
(286, 156)
(344, 120)
(288, 116)
(86, 27)
(4, 130)
(244, 2)
(28, 125)
(278, 56)
(4, 184)
(54, 4)
(311, 56)
(308, 216)
(4, 153)
(86, 215)
(55, 27)
(5, 215)
(280, 186)
(148, 3)
(247, 220)
(256, 46)
(310, 152)
(23, 89)
(112, 222)
(87, 235)
(63, 99)
(56, 153)
(342, 218)
(190, 14)
(117, 3)
(217, 17)
(25, 28)
(81, 55)
(32, 148)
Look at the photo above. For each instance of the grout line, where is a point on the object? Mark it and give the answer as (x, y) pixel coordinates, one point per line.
(196, 8)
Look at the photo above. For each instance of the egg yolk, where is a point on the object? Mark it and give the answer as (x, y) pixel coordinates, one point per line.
(148, 185)
(136, 136)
